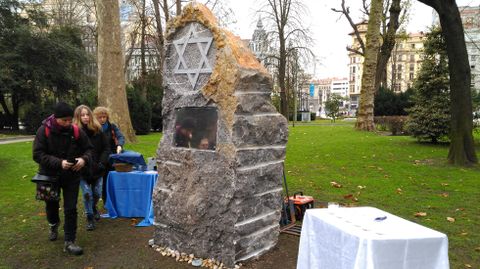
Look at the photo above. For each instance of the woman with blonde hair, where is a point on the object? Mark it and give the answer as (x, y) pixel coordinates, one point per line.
(114, 137)
(92, 177)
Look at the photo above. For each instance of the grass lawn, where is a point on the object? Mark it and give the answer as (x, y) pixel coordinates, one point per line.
(397, 174)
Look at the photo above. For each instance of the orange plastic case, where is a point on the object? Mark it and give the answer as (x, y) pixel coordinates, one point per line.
(301, 203)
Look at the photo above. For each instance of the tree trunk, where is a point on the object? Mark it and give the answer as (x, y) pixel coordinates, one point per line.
(281, 78)
(462, 148)
(388, 44)
(178, 4)
(367, 93)
(143, 74)
(111, 79)
(160, 40)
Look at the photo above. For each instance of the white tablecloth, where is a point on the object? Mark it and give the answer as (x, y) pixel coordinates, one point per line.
(348, 238)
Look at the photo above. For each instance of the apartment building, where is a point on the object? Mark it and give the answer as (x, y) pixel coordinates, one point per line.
(401, 70)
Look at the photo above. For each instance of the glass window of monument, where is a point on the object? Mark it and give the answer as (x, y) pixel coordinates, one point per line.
(196, 127)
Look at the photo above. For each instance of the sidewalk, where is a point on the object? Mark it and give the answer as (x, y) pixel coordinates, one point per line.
(16, 139)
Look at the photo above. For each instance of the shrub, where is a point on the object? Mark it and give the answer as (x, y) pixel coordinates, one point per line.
(429, 118)
(389, 103)
(34, 115)
(140, 111)
(394, 124)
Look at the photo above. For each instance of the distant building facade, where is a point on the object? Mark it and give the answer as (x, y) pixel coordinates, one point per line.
(324, 89)
(471, 25)
(401, 70)
(261, 48)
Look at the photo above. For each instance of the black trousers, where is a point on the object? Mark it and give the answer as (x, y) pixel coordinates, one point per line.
(69, 187)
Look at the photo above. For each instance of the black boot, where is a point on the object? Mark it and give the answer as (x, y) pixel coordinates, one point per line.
(72, 249)
(53, 234)
(90, 223)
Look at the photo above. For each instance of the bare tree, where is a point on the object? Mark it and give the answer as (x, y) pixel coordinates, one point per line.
(462, 148)
(285, 20)
(391, 19)
(365, 110)
(67, 12)
(111, 79)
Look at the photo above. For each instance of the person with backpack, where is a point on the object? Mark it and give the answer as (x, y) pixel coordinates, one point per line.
(92, 178)
(62, 150)
(114, 136)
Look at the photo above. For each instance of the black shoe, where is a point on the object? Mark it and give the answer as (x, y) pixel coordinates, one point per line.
(53, 234)
(72, 249)
(90, 223)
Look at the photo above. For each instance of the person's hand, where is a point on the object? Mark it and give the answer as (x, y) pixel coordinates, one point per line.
(79, 165)
(66, 165)
(119, 149)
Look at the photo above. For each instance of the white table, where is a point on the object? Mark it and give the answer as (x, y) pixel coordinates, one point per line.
(351, 238)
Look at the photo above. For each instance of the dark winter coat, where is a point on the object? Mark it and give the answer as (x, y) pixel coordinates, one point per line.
(60, 145)
(101, 152)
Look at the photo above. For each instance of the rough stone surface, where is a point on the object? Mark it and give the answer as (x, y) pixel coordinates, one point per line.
(223, 203)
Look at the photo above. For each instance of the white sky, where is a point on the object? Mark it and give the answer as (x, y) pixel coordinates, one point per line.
(330, 32)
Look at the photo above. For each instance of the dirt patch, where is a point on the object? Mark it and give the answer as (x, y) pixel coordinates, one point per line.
(117, 243)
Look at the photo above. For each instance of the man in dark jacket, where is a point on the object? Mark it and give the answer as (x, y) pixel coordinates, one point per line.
(62, 151)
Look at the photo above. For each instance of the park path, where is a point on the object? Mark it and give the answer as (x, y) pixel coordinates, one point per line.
(16, 139)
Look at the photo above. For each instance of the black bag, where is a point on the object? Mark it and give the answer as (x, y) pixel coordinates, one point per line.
(47, 188)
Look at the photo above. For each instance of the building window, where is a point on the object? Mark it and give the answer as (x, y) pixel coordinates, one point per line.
(399, 76)
(411, 76)
(412, 58)
(412, 67)
(412, 46)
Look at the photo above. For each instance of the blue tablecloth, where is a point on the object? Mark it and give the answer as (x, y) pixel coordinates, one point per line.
(130, 195)
(131, 157)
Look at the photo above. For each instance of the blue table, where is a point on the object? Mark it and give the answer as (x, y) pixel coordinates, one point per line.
(129, 194)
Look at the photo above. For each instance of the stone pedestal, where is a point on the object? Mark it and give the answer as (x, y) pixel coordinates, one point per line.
(222, 200)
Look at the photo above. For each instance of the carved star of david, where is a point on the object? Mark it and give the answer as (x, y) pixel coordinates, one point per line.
(203, 66)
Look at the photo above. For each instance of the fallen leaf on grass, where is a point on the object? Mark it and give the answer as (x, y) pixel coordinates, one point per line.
(24, 176)
(464, 234)
(399, 191)
(335, 184)
(468, 265)
(351, 197)
(460, 209)
(361, 187)
(444, 194)
(89, 267)
(42, 214)
(444, 184)
(420, 214)
(477, 249)
(450, 219)
(24, 220)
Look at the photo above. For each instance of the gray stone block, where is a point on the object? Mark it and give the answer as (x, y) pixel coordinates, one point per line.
(223, 203)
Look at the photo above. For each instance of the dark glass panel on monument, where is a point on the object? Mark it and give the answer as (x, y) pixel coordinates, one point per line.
(196, 127)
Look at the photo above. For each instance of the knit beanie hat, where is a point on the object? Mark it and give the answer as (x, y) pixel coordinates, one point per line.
(62, 110)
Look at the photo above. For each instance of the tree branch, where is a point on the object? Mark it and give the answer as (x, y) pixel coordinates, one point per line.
(346, 11)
